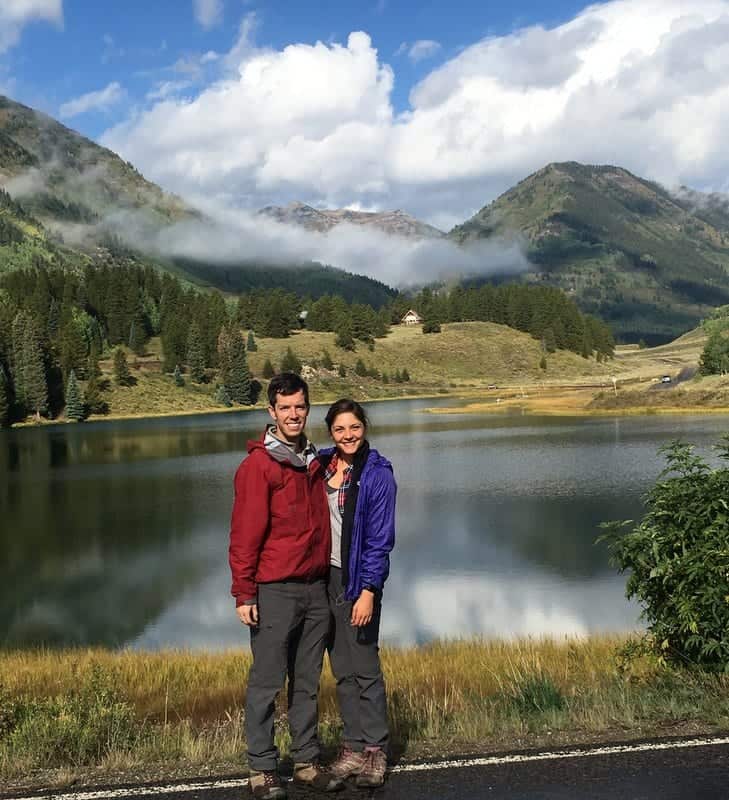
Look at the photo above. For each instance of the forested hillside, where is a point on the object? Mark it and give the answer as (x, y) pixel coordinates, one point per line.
(649, 263)
(57, 323)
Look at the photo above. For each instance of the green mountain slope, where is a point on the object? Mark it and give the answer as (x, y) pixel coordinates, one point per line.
(62, 176)
(625, 248)
(65, 195)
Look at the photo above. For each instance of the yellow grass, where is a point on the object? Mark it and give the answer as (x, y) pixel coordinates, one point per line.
(451, 696)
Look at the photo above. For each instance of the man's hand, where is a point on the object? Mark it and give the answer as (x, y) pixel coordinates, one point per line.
(248, 614)
(363, 608)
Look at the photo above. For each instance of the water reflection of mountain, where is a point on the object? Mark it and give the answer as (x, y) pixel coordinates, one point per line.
(117, 533)
(92, 552)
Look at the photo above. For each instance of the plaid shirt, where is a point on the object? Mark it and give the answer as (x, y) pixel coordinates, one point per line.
(346, 481)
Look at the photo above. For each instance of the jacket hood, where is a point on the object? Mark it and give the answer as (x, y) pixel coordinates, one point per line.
(282, 452)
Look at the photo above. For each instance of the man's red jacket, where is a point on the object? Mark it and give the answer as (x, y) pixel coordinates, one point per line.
(280, 524)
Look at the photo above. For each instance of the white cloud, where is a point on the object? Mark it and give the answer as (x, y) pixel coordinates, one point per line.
(100, 100)
(15, 14)
(423, 48)
(208, 13)
(642, 83)
(165, 89)
(238, 236)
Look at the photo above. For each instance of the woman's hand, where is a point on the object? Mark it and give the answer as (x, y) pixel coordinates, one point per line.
(363, 608)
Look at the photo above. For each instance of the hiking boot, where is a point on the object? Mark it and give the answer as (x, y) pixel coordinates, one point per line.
(311, 775)
(373, 771)
(349, 762)
(266, 785)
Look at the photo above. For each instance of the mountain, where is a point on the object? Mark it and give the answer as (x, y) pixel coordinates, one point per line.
(66, 199)
(650, 263)
(396, 223)
(62, 177)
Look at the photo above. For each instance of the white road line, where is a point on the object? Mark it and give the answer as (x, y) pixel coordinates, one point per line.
(236, 783)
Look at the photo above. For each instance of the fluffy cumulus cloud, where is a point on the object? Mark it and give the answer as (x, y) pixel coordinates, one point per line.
(642, 83)
(208, 13)
(100, 100)
(15, 14)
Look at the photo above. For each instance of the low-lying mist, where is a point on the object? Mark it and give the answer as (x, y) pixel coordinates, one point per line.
(395, 260)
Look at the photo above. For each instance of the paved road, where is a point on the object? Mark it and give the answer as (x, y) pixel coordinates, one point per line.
(681, 772)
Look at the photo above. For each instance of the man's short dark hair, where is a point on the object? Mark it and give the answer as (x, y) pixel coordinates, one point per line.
(287, 383)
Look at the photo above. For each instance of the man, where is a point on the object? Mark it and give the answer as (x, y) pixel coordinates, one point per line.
(280, 545)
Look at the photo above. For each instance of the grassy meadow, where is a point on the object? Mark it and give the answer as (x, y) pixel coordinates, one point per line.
(463, 358)
(90, 714)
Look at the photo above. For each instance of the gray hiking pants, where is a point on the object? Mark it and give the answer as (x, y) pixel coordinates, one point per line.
(355, 658)
(291, 637)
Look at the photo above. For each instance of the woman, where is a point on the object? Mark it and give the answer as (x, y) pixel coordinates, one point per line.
(361, 491)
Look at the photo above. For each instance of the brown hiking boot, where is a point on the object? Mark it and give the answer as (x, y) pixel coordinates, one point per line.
(311, 775)
(373, 771)
(266, 785)
(349, 762)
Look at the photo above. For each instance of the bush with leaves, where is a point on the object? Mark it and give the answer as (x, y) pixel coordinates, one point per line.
(82, 727)
(678, 558)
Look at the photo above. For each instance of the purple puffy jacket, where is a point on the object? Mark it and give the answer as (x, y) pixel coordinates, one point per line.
(372, 534)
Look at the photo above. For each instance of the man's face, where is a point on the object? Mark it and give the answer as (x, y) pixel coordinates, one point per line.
(289, 414)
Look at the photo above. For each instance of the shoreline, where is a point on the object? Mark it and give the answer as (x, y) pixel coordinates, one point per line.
(546, 401)
(214, 410)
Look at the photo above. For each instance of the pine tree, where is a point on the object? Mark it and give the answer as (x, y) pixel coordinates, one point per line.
(239, 378)
(344, 337)
(268, 370)
(326, 361)
(405, 375)
(4, 398)
(74, 406)
(290, 363)
(342, 371)
(222, 396)
(74, 349)
(196, 354)
(122, 375)
(397, 377)
(34, 370)
(431, 324)
(360, 368)
(179, 380)
(543, 363)
(223, 350)
(251, 345)
(93, 400)
(344, 340)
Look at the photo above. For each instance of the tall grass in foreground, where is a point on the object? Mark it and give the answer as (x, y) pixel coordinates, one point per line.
(122, 709)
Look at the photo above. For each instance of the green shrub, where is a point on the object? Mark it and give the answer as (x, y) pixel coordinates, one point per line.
(77, 728)
(536, 694)
(678, 558)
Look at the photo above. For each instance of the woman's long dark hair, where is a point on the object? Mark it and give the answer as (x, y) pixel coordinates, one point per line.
(346, 406)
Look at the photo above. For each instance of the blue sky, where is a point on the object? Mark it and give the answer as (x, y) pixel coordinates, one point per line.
(138, 43)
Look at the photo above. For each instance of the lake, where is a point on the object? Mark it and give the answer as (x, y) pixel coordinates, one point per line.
(116, 533)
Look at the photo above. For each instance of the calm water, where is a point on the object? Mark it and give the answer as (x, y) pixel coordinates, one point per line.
(116, 533)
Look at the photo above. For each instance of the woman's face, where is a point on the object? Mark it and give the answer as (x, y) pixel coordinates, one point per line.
(348, 433)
